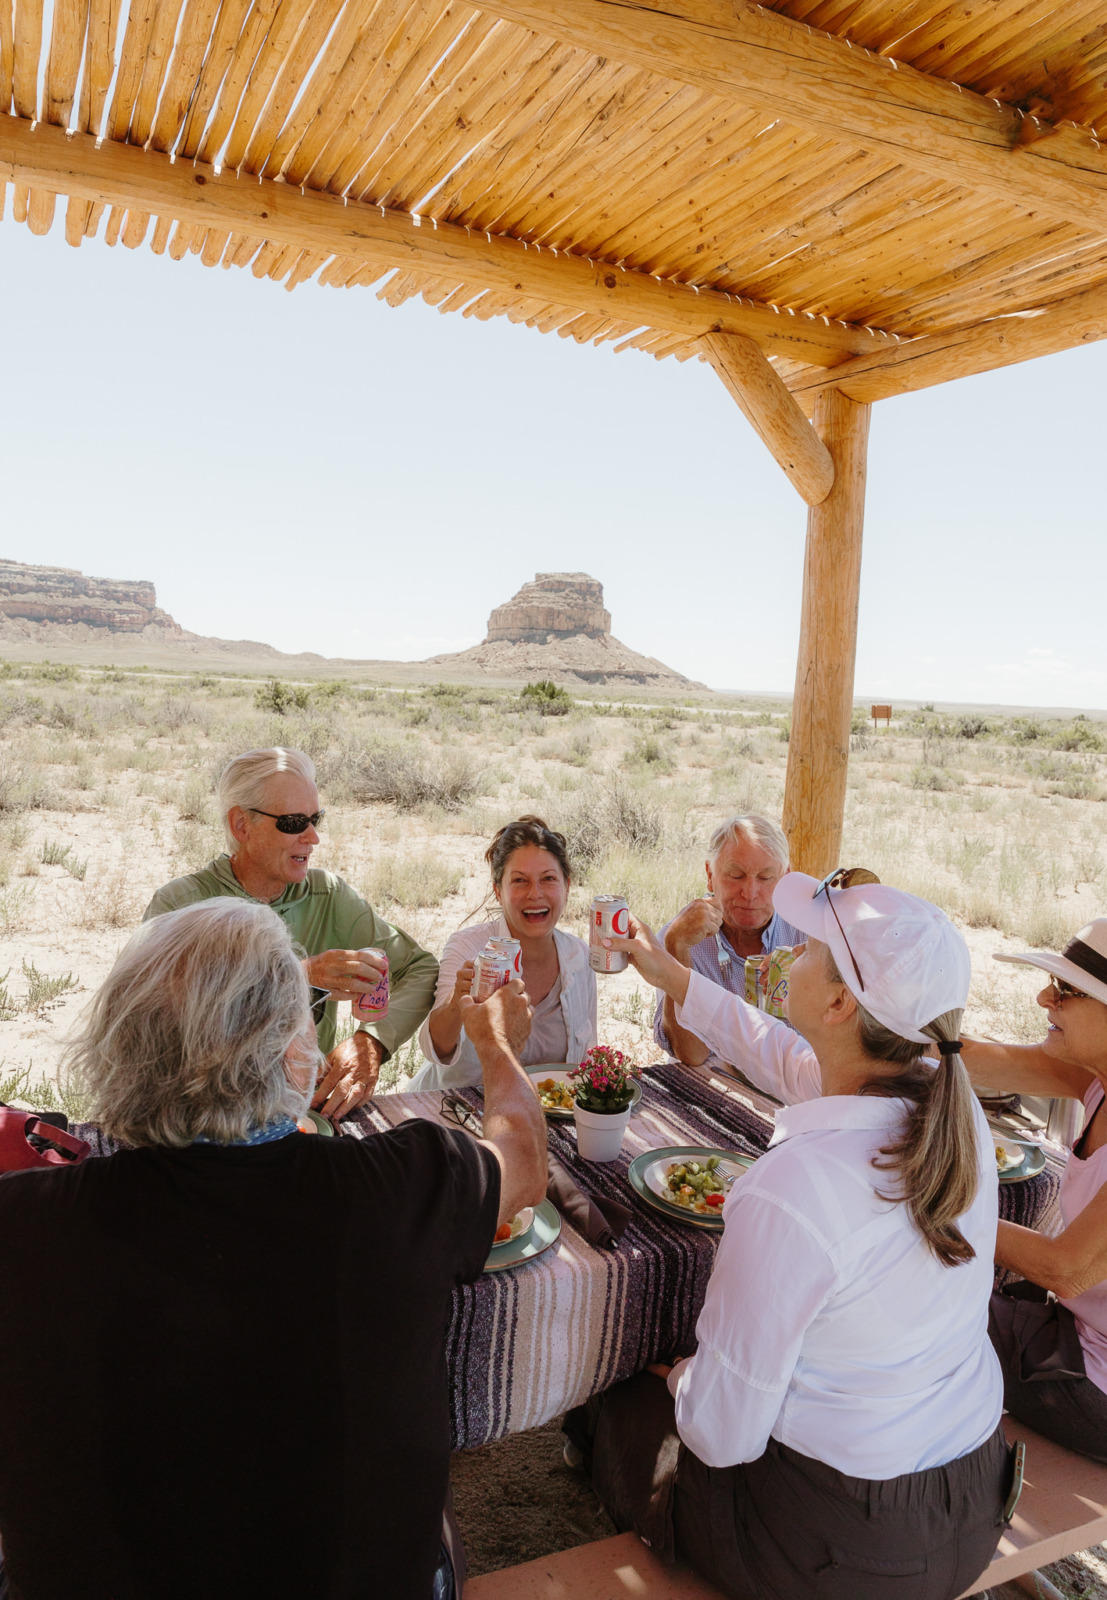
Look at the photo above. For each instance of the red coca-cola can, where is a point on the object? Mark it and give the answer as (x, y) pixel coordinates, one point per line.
(491, 970)
(512, 948)
(610, 916)
(373, 1006)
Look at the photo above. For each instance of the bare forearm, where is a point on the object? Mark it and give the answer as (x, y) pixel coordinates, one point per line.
(1022, 1069)
(515, 1125)
(445, 1028)
(1066, 1264)
(684, 1045)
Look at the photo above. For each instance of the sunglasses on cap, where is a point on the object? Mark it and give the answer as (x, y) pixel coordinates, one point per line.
(292, 821)
(1065, 991)
(845, 878)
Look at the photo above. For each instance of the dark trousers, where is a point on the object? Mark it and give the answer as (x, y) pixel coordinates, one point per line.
(1044, 1382)
(786, 1527)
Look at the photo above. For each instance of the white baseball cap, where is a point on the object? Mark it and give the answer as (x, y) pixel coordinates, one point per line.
(913, 963)
(1083, 961)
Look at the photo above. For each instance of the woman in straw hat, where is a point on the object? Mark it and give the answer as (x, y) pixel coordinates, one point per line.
(1051, 1329)
(836, 1433)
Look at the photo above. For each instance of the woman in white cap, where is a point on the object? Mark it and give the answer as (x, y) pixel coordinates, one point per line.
(1051, 1329)
(837, 1431)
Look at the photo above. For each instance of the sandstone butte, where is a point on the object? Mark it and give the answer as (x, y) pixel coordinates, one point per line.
(555, 627)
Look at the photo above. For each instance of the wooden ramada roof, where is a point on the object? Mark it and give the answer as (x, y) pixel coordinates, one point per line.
(833, 178)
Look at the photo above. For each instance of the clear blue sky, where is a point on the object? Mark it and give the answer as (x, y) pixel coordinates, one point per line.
(321, 472)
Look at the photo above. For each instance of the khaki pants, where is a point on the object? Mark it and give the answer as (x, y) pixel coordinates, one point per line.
(786, 1527)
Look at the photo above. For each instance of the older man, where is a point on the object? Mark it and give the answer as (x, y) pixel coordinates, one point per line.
(270, 810)
(746, 857)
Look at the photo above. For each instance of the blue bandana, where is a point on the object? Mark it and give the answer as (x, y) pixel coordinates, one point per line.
(267, 1135)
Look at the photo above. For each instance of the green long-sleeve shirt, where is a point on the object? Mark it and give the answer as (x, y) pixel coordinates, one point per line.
(324, 913)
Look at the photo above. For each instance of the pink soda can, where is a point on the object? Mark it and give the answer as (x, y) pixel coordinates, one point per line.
(610, 916)
(491, 970)
(373, 1006)
(512, 948)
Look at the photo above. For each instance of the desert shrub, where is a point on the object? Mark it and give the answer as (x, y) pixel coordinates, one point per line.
(281, 698)
(650, 752)
(1079, 734)
(42, 990)
(50, 672)
(194, 800)
(407, 777)
(110, 902)
(1046, 925)
(971, 727)
(1026, 730)
(549, 699)
(608, 812)
(23, 789)
(415, 880)
(15, 907)
(926, 777)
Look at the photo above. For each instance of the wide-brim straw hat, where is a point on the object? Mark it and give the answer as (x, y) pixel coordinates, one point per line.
(1083, 961)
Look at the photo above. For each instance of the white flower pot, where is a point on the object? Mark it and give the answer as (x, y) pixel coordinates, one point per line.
(600, 1133)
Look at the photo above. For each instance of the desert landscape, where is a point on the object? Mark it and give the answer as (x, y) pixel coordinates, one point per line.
(106, 778)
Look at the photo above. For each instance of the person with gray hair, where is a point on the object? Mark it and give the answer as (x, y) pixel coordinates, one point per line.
(746, 857)
(253, 1321)
(270, 809)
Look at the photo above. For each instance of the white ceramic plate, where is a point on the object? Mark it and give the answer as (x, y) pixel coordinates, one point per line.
(521, 1225)
(658, 1171)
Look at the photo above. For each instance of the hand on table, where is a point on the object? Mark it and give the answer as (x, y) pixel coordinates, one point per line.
(503, 1019)
(352, 1070)
(697, 922)
(346, 973)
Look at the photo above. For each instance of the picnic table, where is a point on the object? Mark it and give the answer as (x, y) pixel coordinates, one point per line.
(525, 1346)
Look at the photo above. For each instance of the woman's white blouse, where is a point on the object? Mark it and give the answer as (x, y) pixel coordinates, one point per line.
(578, 1004)
(829, 1325)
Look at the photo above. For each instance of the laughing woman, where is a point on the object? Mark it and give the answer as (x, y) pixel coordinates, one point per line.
(1050, 1330)
(530, 879)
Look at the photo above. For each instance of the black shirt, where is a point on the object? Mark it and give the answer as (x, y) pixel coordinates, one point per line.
(223, 1369)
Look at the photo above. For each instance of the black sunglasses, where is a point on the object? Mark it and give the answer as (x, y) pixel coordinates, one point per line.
(457, 1110)
(292, 821)
(1065, 991)
(845, 878)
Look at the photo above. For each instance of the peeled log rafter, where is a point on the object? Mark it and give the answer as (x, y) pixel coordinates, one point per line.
(767, 405)
(822, 709)
(125, 176)
(940, 357)
(823, 82)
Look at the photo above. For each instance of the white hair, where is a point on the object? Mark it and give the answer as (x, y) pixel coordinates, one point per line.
(193, 1031)
(244, 780)
(749, 828)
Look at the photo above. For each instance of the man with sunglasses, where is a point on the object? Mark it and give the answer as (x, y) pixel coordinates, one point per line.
(269, 806)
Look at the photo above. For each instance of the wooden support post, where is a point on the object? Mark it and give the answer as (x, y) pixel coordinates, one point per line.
(818, 751)
(761, 394)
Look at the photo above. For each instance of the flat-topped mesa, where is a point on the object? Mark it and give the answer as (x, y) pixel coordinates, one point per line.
(556, 627)
(556, 605)
(64, 595)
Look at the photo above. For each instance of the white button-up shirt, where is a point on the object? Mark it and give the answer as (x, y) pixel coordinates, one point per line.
(829, 1325)
(577, 1000)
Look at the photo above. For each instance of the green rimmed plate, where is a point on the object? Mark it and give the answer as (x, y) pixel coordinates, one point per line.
(560, 1070)
(544, 1231)
(647, 1175)
(319, 1124)
(1033, 1159)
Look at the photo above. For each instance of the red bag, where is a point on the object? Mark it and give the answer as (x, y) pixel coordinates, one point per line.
(53, 1147)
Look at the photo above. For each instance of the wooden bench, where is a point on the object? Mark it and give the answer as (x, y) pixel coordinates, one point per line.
(1063, 1509)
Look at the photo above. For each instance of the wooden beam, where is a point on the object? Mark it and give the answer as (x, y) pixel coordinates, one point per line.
(766, 403)
(822, 709)
(940, 357)
(820, 81)
(145, 180)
